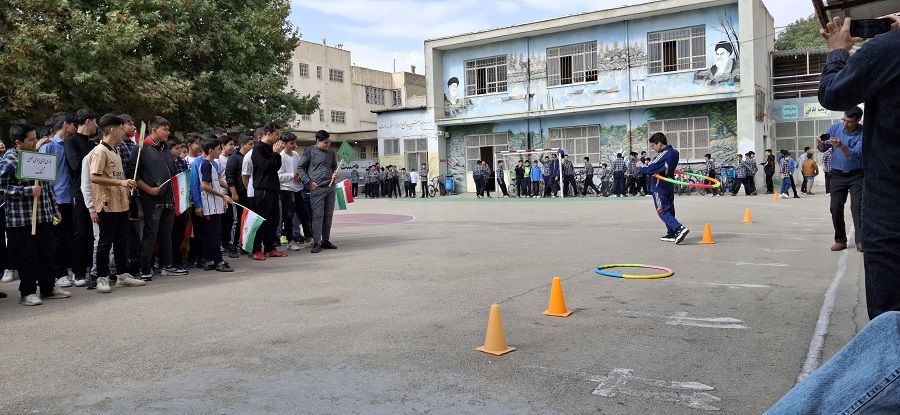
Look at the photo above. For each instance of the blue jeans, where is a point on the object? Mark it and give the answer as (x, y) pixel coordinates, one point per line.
(665, 208)
(786, 184)
(863, 378)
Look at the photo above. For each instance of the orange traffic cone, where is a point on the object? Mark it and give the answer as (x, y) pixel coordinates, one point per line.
(494, 340)
(707, 236)
(557, 306)
(775, 198)
(747, 217)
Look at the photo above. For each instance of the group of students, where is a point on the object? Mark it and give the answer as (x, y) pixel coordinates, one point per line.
(117, 192)
(384, 181)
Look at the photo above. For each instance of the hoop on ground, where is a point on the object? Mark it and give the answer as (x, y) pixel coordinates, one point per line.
(715, 183)
(666, 271)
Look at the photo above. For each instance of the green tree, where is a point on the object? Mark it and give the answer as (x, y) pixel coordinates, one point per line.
(200, 63)
(802, 34)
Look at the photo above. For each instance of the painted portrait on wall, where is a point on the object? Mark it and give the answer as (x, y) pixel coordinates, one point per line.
(725, 69)
(454, 104)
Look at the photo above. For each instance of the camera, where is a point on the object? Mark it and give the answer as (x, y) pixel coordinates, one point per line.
(825, 137)
(869, 28)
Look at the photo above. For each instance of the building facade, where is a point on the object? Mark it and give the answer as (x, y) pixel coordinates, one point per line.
(348, 95)
(599, 83)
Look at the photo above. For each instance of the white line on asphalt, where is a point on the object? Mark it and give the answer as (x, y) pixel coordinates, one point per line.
(622, 381)
(722, 284)
(814, 355)
(681, 319)
(783, 250)
(742, 263)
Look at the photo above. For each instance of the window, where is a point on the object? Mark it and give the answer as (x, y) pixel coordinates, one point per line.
(793, 136)
(689, 135)
(677, 50)
(475, 142)
(303, 70)
(374, 95)
(319, 72)
(416, 151)
(391, 146)
(398, 98)
(362, 152)
(306, 117)
(336, 75)
(321, 114)
(486, 76)
(579, 142)
(572, 64)
(338, 117)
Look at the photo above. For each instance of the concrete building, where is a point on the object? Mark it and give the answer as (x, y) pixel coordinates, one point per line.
(600, 83)
(347, 96)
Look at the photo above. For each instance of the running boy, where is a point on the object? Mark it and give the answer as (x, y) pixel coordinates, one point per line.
(663, 192)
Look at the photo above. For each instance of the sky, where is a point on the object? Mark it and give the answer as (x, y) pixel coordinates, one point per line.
(379, 33)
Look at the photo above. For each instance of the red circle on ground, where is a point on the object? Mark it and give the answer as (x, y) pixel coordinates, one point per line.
(352, 220)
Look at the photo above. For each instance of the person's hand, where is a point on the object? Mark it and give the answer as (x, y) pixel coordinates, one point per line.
(36, 191)
(895, 18)
(154, 191)
(837, 35)
(278, 146)
(198, 212)
(836, 143)
(58, 217)
(128, 183)
(95, 218)
(334, 175)
(313, 186)
(227, 200)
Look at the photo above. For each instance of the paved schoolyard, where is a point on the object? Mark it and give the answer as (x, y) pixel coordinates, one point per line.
(388, 323)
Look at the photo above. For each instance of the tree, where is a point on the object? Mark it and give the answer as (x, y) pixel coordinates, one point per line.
(199, 63)
(802, 34)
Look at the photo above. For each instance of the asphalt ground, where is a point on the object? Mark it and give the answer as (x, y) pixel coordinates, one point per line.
(388, 323)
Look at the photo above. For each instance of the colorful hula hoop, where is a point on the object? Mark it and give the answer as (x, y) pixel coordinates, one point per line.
(715, 183)
(666, 271)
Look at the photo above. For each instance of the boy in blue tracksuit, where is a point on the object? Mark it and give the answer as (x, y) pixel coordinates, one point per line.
(664, 164)
(535, 179)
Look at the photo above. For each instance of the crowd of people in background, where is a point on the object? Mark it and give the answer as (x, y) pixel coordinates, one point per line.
(385, 181)
(116, 192)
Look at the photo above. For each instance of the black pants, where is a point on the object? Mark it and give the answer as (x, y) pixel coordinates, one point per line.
(619, 184)
(408, 189)
(841, 186)
(794, 185)
(225, 231)
(212, 247)
(751, 184)
(4, 252)
(882, 264)
(589, 182)
(711, 174)
(502, 185)
(198, 232)
(803, 185)
(292, 203)
(135, 230)
(424, 189)
(83, 240)
(354, 189)
(479, 186)
(827, 182)
(158, 226)
(179, 227)
(521, 187)
(63, 233)
(114, 234)
(548, 186)
(770, 186)
(632, 186)
(396, 182)
(266, 205)
(737, 186)
(535, 189)
(569, 181)
(34, 256)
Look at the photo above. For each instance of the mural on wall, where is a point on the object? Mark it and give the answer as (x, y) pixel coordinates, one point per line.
(726, 68)
(454, 104)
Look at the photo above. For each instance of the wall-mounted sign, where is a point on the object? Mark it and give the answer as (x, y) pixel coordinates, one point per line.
(790, 112)
(814, 110)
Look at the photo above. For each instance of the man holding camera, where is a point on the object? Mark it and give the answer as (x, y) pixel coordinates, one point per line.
(846, 142)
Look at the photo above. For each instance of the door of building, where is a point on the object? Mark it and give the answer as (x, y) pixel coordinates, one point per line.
(487, 155)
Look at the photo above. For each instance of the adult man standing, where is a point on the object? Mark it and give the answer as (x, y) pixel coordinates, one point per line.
(77, 148)
(318, 172)
(846, 174)
(64, 125)
(769, 169)
(266, 160)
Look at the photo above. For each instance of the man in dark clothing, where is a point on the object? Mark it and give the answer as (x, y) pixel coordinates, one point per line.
(769, 169)
(589, 178)
(318, 172)
(77, 148)
(266, 159)
(520, 180)
(236, 189)
(870, 75)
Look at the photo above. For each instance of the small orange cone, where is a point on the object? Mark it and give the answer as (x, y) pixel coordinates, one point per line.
(707, 236)
(494, 340)
(557, 306)
(775, 198)
(747, 217)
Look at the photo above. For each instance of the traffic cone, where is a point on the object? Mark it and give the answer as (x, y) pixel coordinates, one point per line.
(747, 217)
(707, 236)
(775, 198)
(494, 340)
(557, 306)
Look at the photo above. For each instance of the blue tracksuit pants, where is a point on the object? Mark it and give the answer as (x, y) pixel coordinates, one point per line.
(665, 208)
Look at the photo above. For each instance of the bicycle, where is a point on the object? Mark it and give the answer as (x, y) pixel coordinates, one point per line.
(437, 186)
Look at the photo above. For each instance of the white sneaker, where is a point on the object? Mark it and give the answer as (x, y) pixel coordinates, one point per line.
(58, 293)
(30, 300)
(79, 282)
(785, 196)
(126, 280)
(103, 285)
(293, 246)
(64, 282)
(308, 243)
(10, 275)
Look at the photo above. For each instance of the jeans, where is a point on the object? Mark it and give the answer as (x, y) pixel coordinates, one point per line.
(665, 208)
(158, 225)
(862, 378)
(113, 235)
(841, 185)
(34, 256)
(322, 200)
(786, 184)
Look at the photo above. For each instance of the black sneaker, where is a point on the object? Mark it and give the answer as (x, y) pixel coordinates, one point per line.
(91, 284)
(670, 237)
(316, 248)
(224, 267)
(681, 233)
(328, 245)
(209, 266)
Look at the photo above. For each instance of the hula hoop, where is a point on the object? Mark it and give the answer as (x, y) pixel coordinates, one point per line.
(667, 272)
(715, 183)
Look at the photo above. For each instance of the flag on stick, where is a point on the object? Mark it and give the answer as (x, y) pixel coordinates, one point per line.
(348, 191)
(181, 191)
(250, 223)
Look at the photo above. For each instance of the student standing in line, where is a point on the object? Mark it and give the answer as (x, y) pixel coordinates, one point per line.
(568, 175)
(318, 172)
(214, 202)
(423, 178)
(536, 177)
(266, 161)
(520, 178)
(77, 148)
(413, 179)
(618, 172)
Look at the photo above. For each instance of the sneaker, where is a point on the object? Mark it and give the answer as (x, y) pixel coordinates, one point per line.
(293, 246)
(102, 285)
(275, 254)
(10, 275)
(64, 282)
(284, 240)
(58, 294)
(234, 253)
(79, 281)
(146, 277)
(308, 242)
(328, 245)
(31, 300)
(91, 284)
(173, 271)
(785, 196)
(681, 233)
(126, 280)
(258, 256)
(316, 248)
(224, 267)
(209, 266)
(668, 237)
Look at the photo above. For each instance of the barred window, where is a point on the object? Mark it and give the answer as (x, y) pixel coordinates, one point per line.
(391, 146)
(572, 64)
(416, 152)
(793, 136)
(321, 114)
(319, 72)
(486, 76)
(303, 70)
(336, 75)
(338, 117)
(474, 143)
(690, 136)
(374, 95)
(306, 117)
(677, 50)
(578, 142)
(398, 98)
(362, 152)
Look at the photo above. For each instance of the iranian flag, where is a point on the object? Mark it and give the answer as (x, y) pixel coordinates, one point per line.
(348, 191)
(342, 195)
(181, 191)
(250, 223)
